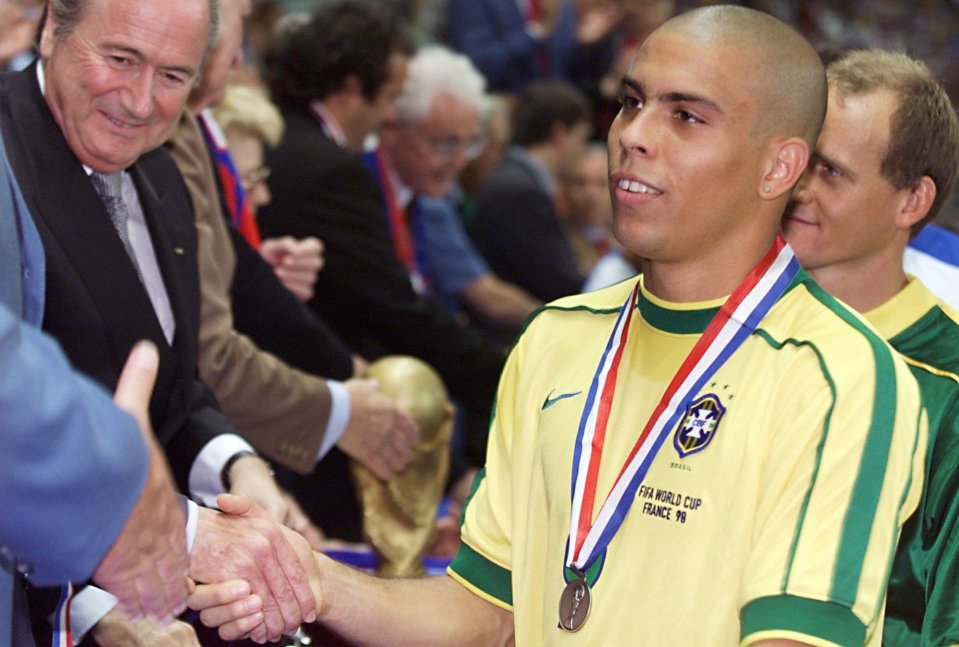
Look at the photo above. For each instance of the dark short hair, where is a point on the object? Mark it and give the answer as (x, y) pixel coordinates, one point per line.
(68, 13)
(544, 103)
(924, 132)
(313, 59)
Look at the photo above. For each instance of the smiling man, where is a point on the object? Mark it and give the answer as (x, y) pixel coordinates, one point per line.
(884, 164)
(116, 225)
(778, 439)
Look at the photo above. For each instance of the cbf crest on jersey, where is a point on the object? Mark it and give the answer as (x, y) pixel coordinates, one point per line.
(699, 425)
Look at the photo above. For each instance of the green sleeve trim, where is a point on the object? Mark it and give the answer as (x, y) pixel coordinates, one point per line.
(824, 620)
(494, 580)
(480, 475)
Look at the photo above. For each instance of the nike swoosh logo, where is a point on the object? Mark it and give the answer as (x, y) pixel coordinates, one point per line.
(549, 401)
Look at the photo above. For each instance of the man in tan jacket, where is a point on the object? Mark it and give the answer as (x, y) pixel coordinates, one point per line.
(289, 415)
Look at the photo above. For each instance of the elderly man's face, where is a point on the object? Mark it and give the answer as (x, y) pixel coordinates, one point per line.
(227, 55)
(119, 80)
(429, 155)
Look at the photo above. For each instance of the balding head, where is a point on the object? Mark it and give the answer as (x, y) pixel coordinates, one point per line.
(786, 74)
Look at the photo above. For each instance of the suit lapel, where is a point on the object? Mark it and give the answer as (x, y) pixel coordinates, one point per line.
(74, 215)
(173, 248)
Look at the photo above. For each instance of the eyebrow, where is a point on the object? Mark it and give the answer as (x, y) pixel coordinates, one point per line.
(674, 97)
(132, 51)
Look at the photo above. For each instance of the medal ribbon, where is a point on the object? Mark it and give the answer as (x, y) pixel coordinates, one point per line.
(732, 325)
(239, 207)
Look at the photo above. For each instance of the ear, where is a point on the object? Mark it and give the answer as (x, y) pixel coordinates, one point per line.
(47, 39)
(346, 97)
(786, 165)
(917, 203)
(352, 86)
(558, 133)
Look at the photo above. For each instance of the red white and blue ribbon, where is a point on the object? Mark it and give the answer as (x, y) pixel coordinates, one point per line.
(62, 631)
(729, 328)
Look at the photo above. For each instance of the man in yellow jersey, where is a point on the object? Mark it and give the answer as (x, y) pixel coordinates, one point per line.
(659, 474)
(885, 162)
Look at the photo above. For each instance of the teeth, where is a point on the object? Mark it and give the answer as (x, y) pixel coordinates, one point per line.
(635, 187)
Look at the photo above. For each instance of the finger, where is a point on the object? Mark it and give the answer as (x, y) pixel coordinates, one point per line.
(312, 244)
(402, 454)
(137, 379)
(379, 466)
(207, 596)
(408, 428)
(245, 614)
(283, 575)
(238, 629)
(235, 504)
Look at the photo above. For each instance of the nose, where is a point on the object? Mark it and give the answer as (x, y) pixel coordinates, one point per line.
(637, 132)
(389, 114)
(803, 193)
(237, 61)
(138, 99)
(260, 196)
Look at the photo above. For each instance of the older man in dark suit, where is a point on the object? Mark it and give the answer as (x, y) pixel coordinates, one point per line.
(116, 226)
(335, 79)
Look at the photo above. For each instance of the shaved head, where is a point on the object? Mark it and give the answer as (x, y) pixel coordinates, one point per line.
(787, 76)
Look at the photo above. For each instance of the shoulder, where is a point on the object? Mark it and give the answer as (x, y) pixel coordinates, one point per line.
(571, 317)
(840, 345)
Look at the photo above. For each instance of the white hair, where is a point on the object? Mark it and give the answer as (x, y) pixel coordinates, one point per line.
(435, 70)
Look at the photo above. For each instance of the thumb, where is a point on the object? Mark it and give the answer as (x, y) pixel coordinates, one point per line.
(137, 379)
(235, 505)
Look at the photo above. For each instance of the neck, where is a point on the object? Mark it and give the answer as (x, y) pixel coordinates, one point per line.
(339, 109)
(863, 285)
(709, 276)
(545, 155)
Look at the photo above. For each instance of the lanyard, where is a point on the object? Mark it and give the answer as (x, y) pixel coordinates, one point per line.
(734, 322)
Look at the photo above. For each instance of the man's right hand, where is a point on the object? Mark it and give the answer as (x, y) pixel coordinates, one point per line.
(243, 542)
(379, 435)
(225, 606)
(147, 566)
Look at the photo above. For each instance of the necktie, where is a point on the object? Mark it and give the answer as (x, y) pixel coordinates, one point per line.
(109, 186)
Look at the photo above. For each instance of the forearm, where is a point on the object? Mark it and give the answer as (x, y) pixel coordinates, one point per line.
(431, 611)
(499, 303)
(243, 377)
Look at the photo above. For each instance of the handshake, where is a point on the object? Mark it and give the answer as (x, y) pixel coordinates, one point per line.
(259, 579)
(242, 562)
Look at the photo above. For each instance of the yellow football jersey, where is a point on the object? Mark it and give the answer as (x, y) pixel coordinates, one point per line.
(771, 510)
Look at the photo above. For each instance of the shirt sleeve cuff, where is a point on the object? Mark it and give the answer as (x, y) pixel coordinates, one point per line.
(87, 608)
(205, 481)
(192, 520)
(339, 417)
(812, 621)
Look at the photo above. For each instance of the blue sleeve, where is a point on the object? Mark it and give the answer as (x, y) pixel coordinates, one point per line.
(72, 465)
(454, 260)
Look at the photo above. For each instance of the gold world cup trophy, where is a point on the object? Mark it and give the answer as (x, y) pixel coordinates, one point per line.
(399, 514)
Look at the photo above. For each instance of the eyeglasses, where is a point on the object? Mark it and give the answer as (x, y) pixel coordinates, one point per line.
(251, 178)
(447, 147)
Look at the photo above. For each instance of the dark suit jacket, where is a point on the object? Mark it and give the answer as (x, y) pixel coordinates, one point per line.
(96, 306)
(518, 232)
(364, 292)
